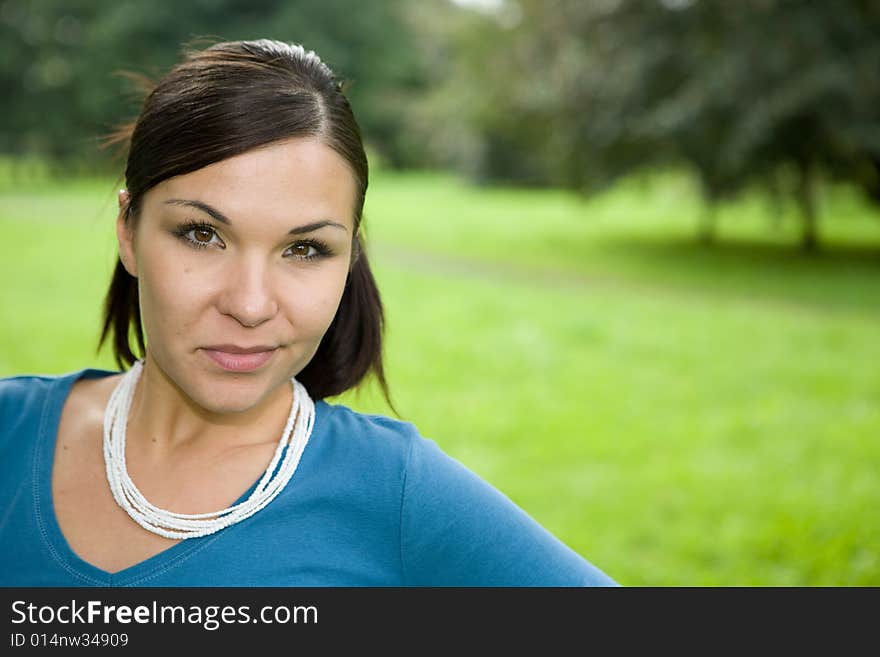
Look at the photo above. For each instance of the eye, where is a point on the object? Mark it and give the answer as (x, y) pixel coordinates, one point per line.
(202, 235)
(307, 250)
(303, 250)
(199, 235)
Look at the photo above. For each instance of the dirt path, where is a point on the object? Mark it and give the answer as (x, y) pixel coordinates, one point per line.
(425, 262)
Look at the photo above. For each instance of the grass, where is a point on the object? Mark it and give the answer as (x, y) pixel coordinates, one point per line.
(680, 415)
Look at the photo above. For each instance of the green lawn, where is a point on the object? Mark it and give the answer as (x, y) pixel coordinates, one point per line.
(680, 415)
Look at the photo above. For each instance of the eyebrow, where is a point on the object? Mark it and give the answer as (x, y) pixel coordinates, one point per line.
(219, 216)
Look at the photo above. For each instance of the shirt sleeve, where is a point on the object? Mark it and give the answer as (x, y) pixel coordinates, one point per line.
(458, 530)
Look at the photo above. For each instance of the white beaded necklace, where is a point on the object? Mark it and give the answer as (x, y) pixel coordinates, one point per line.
(182, 525)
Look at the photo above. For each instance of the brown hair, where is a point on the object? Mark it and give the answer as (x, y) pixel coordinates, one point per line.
(222, 101)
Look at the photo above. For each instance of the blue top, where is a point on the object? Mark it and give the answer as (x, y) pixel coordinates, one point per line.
(372, 503)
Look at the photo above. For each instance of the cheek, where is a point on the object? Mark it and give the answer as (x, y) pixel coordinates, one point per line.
(312, 304)
(170, 296)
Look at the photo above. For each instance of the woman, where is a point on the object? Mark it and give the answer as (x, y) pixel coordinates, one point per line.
(212, 460)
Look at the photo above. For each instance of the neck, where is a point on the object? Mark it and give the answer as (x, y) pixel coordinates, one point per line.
(165, 418)
(281, 466)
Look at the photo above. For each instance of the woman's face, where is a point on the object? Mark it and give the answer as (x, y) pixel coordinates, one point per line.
(241, 266)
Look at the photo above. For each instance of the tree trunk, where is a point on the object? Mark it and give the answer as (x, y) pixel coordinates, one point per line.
(706, 232)
(806, 198)
(775, 202)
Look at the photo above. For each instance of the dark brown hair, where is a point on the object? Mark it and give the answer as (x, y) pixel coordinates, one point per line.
(223, 101)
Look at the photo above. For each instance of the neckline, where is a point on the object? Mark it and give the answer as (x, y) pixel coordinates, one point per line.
(51, 532)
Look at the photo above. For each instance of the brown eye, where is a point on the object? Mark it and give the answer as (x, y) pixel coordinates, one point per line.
(203, 235)
(199, 236)
(307, 250)
(301, 250)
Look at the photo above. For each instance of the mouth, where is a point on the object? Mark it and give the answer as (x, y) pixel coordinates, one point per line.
(234, 358)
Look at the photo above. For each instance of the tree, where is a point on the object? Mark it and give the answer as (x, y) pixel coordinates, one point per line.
(58, 60)
(775, 93)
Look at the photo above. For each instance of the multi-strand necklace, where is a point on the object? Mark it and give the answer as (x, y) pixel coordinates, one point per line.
(183, 525)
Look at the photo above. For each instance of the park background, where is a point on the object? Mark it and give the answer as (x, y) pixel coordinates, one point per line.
(629, 250)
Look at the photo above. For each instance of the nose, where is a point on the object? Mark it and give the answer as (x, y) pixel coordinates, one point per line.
(247, 293)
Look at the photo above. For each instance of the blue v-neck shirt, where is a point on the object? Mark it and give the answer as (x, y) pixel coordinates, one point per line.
(372, 503)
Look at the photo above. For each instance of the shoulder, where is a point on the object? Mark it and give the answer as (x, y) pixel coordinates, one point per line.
(27, 388)
(18, 394)
(380, 438)
(390, 453)
(24, 397)
(374, 433)
(24, 402)
(454, 527)
(375, 443)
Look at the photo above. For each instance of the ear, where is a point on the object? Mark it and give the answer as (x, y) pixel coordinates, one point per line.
(125, 235)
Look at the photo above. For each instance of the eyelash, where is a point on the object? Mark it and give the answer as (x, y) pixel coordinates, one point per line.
(183, 230)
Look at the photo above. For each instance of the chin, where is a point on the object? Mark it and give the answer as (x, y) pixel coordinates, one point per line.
(232, 401)
(221, 392)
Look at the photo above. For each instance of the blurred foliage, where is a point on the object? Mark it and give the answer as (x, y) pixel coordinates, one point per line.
(770, 93)
(59, 61)
(773, 92)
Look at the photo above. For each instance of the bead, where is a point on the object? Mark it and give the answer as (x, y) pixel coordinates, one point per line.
(169, 524)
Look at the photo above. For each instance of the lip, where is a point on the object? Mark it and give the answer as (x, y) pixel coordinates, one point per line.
(234, 358)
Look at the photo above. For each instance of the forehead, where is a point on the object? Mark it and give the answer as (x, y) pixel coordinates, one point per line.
(295, 180)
